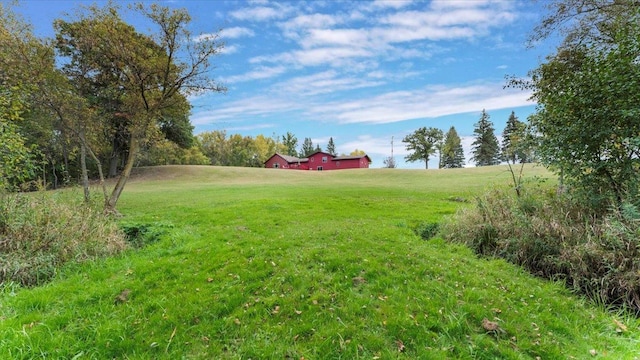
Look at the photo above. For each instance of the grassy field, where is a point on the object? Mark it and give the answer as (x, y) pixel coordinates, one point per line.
(271, 264)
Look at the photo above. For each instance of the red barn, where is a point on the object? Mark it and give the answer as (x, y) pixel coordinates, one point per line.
(318, 161)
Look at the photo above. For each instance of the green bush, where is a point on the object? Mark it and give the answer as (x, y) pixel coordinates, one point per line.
(553, 236)
(427, 230)
(142, 234)
(39, 233)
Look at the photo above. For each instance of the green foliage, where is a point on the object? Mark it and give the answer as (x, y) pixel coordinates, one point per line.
(427, 230)
(237, 150)
(553, 236)
(143, 234)
(307, 148)
(165, 152)
(485, 147)
(39, 234)
(452, 154)
(589, 119)
(587, 95)
(290, 142)
(516, 146)
(422, 143)
(331, 147)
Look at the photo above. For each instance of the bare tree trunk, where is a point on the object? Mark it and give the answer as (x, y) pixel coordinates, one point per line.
(110, 206)
(86, 147)
(85, 174)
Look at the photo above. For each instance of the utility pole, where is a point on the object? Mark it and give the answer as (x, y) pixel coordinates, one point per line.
(392, 146)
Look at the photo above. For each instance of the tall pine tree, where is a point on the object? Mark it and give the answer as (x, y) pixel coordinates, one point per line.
(307, 147)
(331, 147)
(452, 152)
(513, 137)
(486, 150)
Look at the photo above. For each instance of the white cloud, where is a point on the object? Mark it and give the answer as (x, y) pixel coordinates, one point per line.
(229, 49)
(237, 32)
(390, 107)
(253, 107)
(262, 72)
(323, 83)
(430, 102)
(262, 13)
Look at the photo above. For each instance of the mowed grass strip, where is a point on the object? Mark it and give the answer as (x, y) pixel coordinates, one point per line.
(270, 264)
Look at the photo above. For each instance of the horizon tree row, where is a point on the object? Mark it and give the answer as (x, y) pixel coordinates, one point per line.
(516, 146)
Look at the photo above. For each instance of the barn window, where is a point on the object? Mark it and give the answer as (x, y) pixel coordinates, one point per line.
(337, 163)
(319, 168)
(276, 165)
(324, 159)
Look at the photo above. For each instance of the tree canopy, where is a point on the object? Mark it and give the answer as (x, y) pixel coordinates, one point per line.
(137, 81)
(485, 146)
(588, 119)
(422, 144)
(452, 154)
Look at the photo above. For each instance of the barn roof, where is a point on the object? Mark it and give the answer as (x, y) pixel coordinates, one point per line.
(290, 159)
(337, 158)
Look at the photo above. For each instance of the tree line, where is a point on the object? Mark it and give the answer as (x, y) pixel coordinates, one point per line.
(517, 144)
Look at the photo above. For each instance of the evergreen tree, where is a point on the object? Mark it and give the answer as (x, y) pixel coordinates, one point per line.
(331, 147)
(486, 150)
(318, 148)
(307, 147)
(452, 152)
(513, 138)
(290, 142)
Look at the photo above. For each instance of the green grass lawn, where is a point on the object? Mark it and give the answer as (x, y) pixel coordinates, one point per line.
(272, 264)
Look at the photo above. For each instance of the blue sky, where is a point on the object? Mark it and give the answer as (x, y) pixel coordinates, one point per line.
(362, 72)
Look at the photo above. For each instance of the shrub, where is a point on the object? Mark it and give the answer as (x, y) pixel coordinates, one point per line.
(427, 230)
(40, 233)
(142, 234)
(553, 236)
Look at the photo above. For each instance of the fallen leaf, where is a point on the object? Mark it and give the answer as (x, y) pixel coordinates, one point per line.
(298, 312)
(620, 327)
(237, 321)
(123, 296)
(496, 310)
(209, 279)
(490, 326)
(593, 352)
(276, 310)
(358, 280)
(400, 344)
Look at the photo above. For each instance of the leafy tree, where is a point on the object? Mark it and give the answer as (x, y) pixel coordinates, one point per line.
(422, 143)
(357, 152)
(513, 140)
(485, 147)
(588, 93)
(266, 147)
(331, 147)
(17, 162)
(214, 146)
(390, 162)
(307, 147)
(165, 152)
(452, 151)
(290, 142)
(141, 75)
